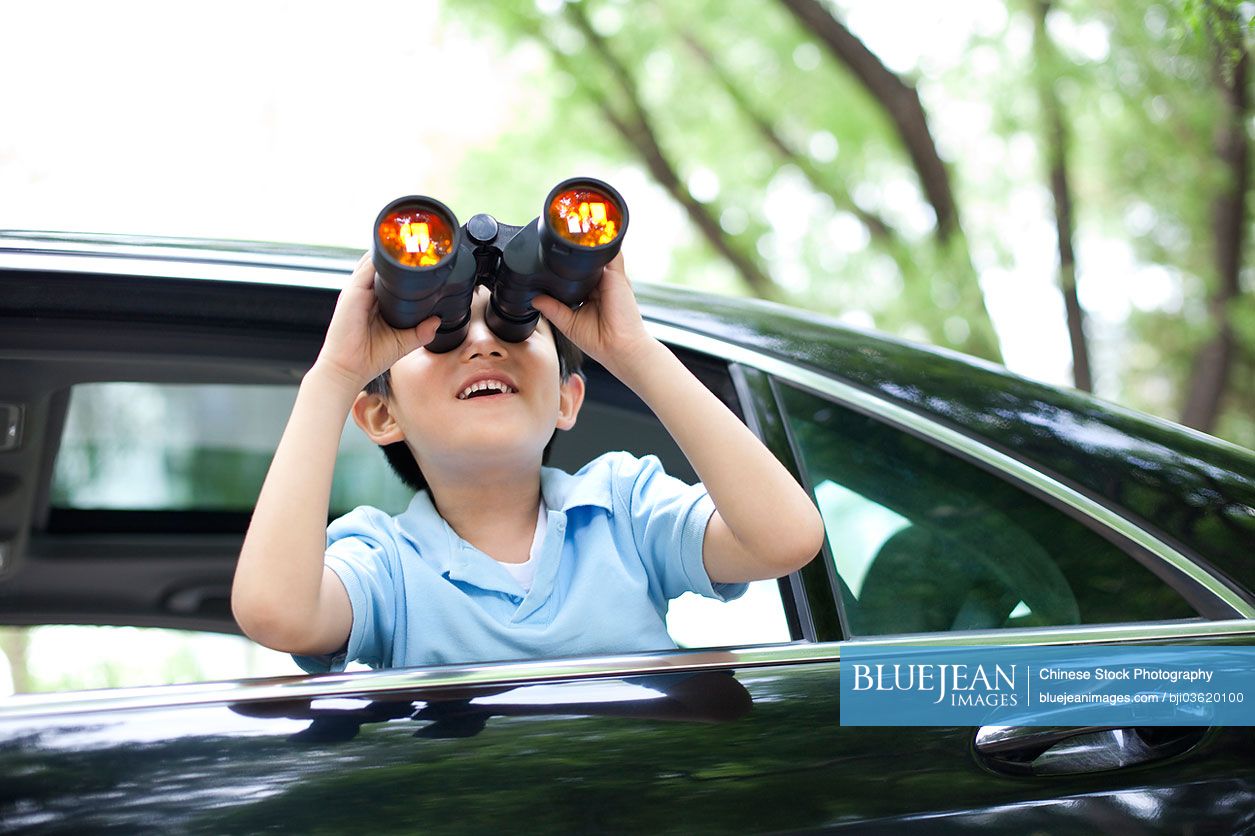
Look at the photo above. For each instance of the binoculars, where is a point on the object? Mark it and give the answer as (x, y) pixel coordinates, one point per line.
(426, 264)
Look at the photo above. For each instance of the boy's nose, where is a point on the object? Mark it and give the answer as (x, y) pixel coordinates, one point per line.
(480, 340)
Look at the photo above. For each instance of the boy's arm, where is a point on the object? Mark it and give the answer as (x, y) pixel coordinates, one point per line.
(283, 596)
(765, 524)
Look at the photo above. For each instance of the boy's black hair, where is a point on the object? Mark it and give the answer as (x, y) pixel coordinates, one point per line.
(570, 361)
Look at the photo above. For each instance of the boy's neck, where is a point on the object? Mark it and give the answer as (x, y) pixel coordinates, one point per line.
(495, 513)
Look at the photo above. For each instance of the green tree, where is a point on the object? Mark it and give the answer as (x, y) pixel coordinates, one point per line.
(807, 169)
(748, 100)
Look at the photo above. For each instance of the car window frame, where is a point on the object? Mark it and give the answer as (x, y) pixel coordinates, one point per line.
(756, 365)
(807, 593)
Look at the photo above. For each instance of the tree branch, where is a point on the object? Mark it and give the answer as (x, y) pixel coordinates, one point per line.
(902, 104)
(1056, 144)
(636, 128)
(877, 227)
(1210, 371)
(899, 99)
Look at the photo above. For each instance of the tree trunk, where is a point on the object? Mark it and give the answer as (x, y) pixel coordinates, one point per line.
(1056, 143)
(901, 102)
(899, 99)
(14, 642)
(1209, 373)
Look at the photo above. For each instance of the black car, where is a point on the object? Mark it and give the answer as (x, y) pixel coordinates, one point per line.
(964, 505)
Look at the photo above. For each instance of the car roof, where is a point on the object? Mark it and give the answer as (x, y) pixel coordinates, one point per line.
(1196, 492)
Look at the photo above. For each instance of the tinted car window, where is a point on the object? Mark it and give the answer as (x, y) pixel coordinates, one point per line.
(926, 542)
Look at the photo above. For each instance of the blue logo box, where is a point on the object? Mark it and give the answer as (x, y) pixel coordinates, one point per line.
(1047, 686)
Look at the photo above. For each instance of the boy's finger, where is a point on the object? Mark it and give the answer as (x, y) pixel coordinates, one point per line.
(412, 339)
(615, 271)
(364, 273)
(558, 314)
(425, 331)
(615, 265)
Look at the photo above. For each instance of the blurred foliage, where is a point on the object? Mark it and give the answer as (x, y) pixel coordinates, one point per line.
(1225, 22)
(798, 164)
(1146, 119)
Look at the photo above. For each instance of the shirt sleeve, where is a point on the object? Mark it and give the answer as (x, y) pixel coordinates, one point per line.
(668, 520)
(359, 554)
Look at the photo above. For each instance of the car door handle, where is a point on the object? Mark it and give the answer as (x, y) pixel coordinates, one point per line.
(1037, 750)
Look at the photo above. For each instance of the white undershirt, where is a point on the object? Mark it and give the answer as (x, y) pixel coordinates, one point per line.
(525, 572)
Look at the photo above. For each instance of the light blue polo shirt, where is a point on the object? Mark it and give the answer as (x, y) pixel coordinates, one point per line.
(623, 539)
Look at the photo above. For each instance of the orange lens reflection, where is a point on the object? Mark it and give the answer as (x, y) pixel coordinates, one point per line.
(416, 237)
(585, 217)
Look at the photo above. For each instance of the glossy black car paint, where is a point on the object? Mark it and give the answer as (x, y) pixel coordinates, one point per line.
(732, 747)
(676, 753)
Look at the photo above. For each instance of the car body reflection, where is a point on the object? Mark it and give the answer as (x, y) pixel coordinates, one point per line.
(704, 696)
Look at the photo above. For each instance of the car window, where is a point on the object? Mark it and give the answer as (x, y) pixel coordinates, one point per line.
(195, 447)
(176, 448)
(926, 542)
(72, 657)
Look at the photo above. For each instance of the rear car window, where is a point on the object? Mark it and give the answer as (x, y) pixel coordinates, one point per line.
(926, 542)
(196, 447)
(73, 657)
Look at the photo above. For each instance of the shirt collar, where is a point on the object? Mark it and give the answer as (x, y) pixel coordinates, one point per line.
(423, 526)
(442, 549)
(563, 491)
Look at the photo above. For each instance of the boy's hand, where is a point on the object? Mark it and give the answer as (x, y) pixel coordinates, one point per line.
(608, 326)
(360, 345)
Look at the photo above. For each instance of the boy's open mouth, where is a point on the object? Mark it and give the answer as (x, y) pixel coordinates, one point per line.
(486, 388)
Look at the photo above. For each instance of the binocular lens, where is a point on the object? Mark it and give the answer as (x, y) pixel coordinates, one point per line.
(416, 235)
(585, 217)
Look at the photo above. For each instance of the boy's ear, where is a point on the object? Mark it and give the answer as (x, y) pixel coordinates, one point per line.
(371, 413)
(570, 399)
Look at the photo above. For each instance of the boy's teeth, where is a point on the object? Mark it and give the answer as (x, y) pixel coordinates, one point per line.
(494, 385)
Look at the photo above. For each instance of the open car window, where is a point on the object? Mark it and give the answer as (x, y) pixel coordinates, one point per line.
(168, 473)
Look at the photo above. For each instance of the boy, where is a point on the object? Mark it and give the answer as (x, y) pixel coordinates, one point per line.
(610, 545)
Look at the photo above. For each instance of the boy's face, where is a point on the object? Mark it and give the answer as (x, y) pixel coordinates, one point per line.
(508, 423)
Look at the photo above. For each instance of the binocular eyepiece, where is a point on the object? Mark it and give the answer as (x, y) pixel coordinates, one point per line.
(426, 264)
